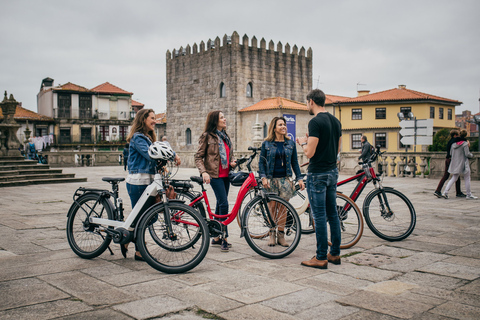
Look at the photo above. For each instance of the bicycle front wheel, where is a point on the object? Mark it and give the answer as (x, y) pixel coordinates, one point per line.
(85, 238)
(389, 214)
(177, 250)
(351, 222)
(252, 193)
(262, 235)
(300, 202)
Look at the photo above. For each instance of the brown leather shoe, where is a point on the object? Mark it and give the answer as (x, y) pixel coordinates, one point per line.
(315, 263)
(334, 259)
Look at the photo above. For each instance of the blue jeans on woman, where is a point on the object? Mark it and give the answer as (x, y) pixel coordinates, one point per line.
(322, 194)
(220, 187)
(135, 192)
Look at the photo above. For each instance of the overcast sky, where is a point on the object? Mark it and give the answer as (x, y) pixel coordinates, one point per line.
(430, 46)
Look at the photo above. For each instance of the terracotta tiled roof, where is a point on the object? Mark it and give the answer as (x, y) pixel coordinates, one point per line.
(137, 104)
(24, 114)
(161, 118)
(70, 87)
(109, 88)
(276, 103)
(398, 94)
(333, 99)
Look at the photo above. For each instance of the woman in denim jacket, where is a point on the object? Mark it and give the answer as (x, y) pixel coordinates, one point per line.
(277, 159)
(141, 168)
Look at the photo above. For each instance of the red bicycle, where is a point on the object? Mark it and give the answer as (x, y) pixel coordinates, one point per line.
(388, 212)
(265, 214)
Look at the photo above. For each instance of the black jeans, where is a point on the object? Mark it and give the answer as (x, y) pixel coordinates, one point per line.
(220, 187)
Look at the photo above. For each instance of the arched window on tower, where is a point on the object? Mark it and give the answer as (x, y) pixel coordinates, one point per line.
(188, 136)
(249, 90)
(265, 130)
(223, 90)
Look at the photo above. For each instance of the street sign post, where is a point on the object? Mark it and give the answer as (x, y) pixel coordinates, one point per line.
(416, 132)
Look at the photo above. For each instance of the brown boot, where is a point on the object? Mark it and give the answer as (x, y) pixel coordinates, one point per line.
(271, 241)
(281, 239)
(315, 263)
(334, 259)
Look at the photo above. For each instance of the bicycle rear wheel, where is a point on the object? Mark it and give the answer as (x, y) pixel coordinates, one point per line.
(85, 239)
(258, 229)
(351, 222)
(188, 197)
(389, 214)
(177, 251)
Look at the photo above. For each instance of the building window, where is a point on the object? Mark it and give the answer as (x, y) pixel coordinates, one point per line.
(249, 90)
(380, 113)
(432, 112)
(41, 132)
(440, 113)
(381, 139)
(86, 135)
(405, 111)
(265, 130)
(85, 107)
(64, 105)
(104, 133)
(65, 136)
(356, 141)
(123, 133)
(223, 90)
(356, 114)
(449, 114)
(188, 136)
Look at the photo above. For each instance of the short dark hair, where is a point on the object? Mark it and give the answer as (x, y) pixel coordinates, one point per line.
(317, 96)
(454, 132)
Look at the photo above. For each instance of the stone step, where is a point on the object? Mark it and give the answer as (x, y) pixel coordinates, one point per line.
(36, 176)
(40, 181)
(34, 166)
(12, 158)
(28, 171)
(4, 162)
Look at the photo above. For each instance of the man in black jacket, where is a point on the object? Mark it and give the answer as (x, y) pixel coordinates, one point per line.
(455, 137)
(366, 150)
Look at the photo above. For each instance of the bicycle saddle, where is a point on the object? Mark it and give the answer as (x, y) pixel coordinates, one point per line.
(196, 179)
(181, 184)
(110, 180)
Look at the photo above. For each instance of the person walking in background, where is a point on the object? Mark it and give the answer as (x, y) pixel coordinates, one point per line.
(321, 145)
(31, 150)
(366, 151)
(460, 152)
(214, 159)
(126, 150)
(141, 168)
(454, 137)
(164, 140)
(278, 157)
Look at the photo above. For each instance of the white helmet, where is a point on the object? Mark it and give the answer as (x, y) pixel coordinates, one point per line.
(160, 151)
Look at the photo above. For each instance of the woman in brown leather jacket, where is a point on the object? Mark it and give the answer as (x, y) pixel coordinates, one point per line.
(214, 159)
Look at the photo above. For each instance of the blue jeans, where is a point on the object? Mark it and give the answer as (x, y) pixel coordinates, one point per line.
(220, 187)
(135, 192)
(322, 194)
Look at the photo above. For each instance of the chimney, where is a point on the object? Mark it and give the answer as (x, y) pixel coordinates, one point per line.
(402, 86)
(362, 93)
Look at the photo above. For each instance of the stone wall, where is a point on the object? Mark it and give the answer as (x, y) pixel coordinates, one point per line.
(195, 74)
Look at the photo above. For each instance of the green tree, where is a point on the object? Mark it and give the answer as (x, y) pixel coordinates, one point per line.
(440, 140)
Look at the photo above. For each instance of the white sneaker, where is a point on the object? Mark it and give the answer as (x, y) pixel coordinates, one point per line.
(472, 197)
(444, 195)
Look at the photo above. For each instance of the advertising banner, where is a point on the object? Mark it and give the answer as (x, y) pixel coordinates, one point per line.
(291, 119)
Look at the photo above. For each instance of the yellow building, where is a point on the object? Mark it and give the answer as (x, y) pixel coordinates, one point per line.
(375, 116)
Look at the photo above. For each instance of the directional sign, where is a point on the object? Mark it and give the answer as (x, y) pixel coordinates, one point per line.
(422, 123)
(421, 140)
(420, 132)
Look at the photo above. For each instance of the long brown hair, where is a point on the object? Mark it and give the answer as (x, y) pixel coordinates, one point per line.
(138, 125)
(212, 121)
(271, 129)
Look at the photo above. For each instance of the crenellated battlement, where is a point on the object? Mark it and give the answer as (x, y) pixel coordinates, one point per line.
(234, 41)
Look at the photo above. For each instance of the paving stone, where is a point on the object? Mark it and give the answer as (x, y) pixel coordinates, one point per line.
(370, 315)
(88, 289)
(24, 292)
(473, 287)
(384, 303)
(452, 270)
(366, 273)
(334, 283)
(329, 310)
(426, 279)
(152, 307)
(47, 310)
(154, 288)
(472, 251)
(391, 287)
(255, 312)
(299, 301)
(414, 262)
(5, 253)
(372, 260)
(185, 315)
(263, 291)
(457, 311)
(106, 314)
(455, 296)
(391, 251)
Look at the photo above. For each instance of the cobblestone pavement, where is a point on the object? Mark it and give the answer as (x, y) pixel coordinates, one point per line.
(434, 274)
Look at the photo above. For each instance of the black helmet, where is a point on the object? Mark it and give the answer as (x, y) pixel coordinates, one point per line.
(237, 178)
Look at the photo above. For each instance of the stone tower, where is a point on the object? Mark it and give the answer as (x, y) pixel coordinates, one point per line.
(229, 75)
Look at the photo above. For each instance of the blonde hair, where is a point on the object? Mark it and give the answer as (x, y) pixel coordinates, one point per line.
(139, 125)
(271, 129)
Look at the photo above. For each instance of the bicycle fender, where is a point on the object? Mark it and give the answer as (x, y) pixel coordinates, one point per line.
(98, 192)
